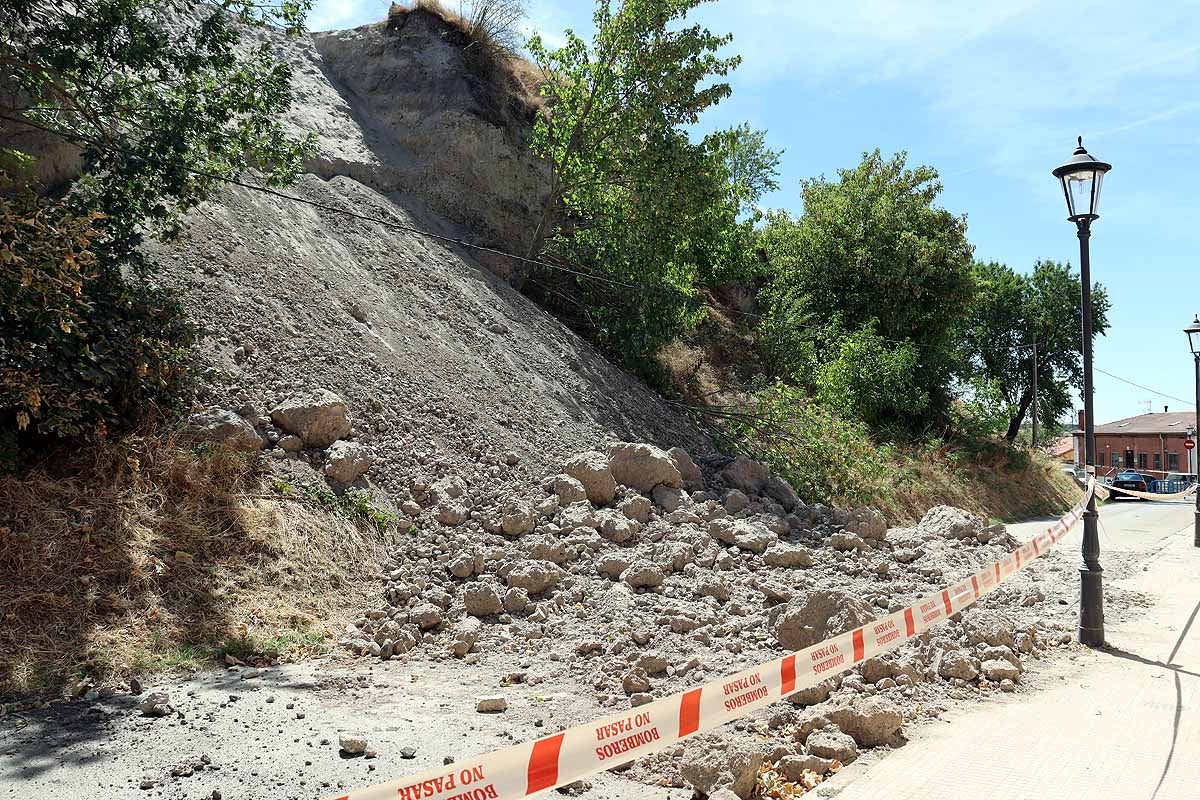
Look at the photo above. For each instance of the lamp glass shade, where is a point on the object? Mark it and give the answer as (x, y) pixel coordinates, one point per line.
(1193, 332)
(1082, 189)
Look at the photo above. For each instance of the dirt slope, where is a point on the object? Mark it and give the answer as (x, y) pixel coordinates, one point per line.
(442, 363)
(445, 367)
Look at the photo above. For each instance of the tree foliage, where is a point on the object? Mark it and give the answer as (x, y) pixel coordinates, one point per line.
(871, 250)
(633, 201)
(1010, 312)
(80, 347)
(163, 98)
(872, 379)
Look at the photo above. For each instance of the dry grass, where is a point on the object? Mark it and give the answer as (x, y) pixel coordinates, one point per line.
(999, 482)
(488, 33)
(146, 555)
(713, 364)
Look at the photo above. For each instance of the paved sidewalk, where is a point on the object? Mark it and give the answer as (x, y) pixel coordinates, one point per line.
(1125, 723)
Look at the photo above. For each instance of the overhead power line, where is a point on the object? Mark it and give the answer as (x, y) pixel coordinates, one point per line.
(1146, 388)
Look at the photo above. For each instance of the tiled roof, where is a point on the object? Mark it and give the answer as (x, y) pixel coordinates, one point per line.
(1173, 422)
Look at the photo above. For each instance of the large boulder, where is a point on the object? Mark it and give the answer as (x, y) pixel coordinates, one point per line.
(592, 470)
(865, 522)
(746, 474)
(642, 466)
(948, 522)
(643, 575)
(744, 534)
(534, 577)
(783, 555)
(710, 765)
(999, 669)
(518, 518)
(815, 616)
(988, 627)
(346, 462)
(956, 664)
(871, 722)
(782, 492)
(223, 427)
(318, 418)
(829, 742)
(481, 600)
(568, 489)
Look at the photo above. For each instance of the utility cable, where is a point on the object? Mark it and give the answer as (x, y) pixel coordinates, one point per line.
(1146, 388)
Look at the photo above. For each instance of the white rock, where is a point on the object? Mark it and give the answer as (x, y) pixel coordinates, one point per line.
(318, 418)
(223, 427)
(591, 469)
(642, 466)
(345, 462)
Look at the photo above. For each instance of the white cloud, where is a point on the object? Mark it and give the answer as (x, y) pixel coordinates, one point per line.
(1012, 80)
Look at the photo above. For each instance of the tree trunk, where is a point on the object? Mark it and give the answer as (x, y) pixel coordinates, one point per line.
(1014, 424)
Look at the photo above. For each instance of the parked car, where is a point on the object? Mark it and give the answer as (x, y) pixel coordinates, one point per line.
(1134, 481)
(1175, 482)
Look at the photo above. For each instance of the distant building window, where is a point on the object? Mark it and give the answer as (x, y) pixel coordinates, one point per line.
(1141, 460)
(1158, 461)
(1172, 461)
(1116, 459)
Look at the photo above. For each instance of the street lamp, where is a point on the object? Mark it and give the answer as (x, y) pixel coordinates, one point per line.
(1193, 332)
(1082, 176)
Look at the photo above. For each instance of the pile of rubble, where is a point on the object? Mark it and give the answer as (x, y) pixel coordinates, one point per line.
(633, 574)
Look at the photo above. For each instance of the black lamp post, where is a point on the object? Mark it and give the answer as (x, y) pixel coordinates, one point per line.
(1082, 176)
(1193, 332)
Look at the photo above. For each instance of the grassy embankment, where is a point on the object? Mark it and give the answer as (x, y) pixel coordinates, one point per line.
(148, 555)
(716, 372)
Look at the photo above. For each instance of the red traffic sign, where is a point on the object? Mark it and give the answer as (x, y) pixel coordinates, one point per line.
(1189, 444)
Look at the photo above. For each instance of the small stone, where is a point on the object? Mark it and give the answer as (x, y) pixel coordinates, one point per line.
(491, 704)
(831, 743)
(352, 744)
(408, 752)
(156, 704)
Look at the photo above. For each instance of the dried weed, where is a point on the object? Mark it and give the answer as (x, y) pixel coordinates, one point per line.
(149, 554)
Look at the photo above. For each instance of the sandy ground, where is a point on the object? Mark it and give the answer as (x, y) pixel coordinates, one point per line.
(275, 735)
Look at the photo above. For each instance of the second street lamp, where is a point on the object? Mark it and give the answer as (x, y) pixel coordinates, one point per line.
(1193, 332)
(1082, 176)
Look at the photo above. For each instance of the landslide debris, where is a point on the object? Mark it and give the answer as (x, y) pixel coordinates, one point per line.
(639, 589)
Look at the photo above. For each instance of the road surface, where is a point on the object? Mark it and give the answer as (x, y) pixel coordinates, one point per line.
(1124, 722)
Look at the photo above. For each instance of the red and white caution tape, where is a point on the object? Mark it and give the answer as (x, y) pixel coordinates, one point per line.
(1186, 493)
(562, 758)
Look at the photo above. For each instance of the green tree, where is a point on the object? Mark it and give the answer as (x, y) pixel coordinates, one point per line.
(1010, 311)
(872, 248)
(633, 201)
(872, 379)
(162, 99)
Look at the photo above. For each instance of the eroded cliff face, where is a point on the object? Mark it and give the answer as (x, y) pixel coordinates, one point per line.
(400, 107)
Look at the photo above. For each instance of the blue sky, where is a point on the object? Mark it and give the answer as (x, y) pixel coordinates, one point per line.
(992, 95)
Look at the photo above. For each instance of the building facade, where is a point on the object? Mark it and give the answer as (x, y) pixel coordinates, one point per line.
(1148, 443)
